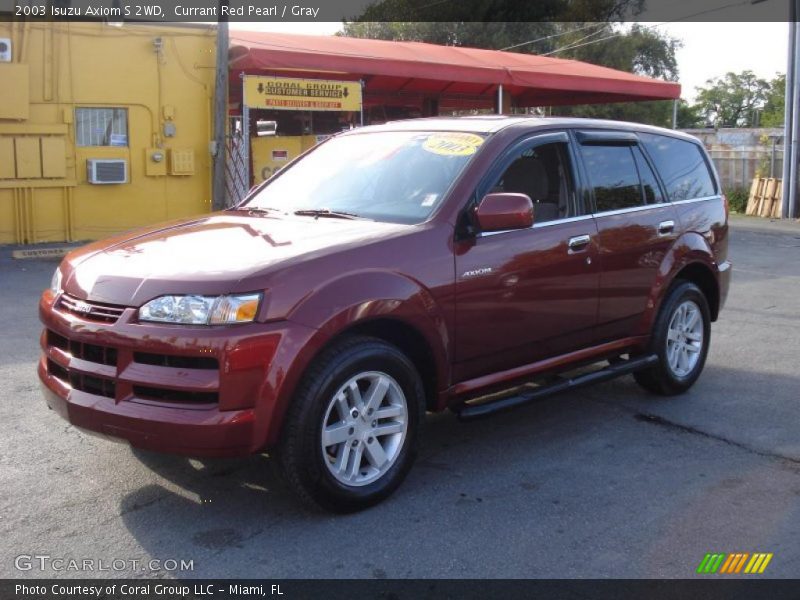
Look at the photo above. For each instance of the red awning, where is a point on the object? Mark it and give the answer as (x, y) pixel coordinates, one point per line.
(390, 68)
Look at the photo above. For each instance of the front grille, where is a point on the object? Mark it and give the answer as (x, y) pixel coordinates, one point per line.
(57, 341)
(176, 362)
(177, 396)
(92, 311)
(99, 386)
(103, 355)
(58, 371)
(105, 385)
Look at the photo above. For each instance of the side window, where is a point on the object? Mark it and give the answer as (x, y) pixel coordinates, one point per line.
(544, 174)
(652, 192)
(613, 177)
(101, 126)
(682, 167)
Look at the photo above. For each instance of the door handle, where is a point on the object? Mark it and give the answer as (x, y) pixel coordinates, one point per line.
(578, 242)
(666, 227)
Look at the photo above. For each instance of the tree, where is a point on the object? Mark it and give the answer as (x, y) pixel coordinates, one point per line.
(641, 50)
(774, 107)
(689, 116)
(494, 11)
(459, 33)
(732, 100)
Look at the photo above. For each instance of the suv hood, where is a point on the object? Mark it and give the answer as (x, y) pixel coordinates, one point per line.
(213, 255)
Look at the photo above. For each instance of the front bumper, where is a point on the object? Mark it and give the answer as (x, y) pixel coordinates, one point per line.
(162, 429)
(724, 282)
(197, 391)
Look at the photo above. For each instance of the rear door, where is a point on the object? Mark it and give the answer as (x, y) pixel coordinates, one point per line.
(636, 227)
(527, 294)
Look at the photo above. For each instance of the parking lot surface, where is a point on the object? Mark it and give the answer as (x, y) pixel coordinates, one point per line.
(607, 481)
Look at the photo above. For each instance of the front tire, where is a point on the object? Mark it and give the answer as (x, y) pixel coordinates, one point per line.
(680, 338)
(352, 431)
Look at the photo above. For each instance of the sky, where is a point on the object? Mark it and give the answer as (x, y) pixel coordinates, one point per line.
(709, 49)
(712, 49)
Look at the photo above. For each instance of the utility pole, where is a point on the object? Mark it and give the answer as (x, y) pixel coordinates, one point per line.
(219, 200)
(791, 119)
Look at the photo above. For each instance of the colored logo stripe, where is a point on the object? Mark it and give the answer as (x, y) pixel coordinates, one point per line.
(710, 563)
(734, 562)
(758, 563)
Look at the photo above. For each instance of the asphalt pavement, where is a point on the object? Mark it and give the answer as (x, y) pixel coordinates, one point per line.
(607, 481)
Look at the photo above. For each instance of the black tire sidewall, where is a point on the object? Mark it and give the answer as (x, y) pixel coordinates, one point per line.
(680, 293)
(371, 355)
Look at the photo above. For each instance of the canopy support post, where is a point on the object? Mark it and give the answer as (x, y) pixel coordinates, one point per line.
(361, 107)
(500, 99)
(675, 113)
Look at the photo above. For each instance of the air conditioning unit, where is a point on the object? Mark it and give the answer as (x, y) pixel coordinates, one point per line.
(105, 171)
(5, 49)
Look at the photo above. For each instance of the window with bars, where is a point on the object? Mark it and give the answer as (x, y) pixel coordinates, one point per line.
(101, 126)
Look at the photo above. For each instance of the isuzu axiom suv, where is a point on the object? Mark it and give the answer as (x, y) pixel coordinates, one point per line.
(474, 264)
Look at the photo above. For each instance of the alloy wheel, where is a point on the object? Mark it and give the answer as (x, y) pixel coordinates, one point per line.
(364, 428)
(685, 338)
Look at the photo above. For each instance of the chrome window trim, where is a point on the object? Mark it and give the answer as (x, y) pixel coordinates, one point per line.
(703, 199)
(559, 221)
(537, 225)
(621, 211)
(609, 213)
(630, 209)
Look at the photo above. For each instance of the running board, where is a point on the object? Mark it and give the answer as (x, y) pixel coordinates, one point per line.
(469, 412)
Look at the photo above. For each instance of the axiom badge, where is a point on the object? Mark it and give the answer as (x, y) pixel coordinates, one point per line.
(477, 272)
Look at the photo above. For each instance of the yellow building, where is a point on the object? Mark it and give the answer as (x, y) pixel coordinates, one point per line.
(103, 127)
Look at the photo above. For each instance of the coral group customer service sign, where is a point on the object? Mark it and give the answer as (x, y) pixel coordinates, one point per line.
(280, 93)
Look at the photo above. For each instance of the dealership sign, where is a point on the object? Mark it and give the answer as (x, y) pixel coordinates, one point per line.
(280, 93)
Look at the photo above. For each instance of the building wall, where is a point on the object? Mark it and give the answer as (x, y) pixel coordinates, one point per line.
(166, 88)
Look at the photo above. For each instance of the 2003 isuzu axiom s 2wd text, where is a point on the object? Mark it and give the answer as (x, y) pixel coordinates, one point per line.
(393, 270)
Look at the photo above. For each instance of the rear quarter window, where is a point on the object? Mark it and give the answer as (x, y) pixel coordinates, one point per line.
(682, 166)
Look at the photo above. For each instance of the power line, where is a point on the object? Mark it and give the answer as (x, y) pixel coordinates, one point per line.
(619, 34)
(547, 37)
(576, 42)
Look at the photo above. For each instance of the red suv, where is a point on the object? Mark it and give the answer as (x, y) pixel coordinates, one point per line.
(390, 271)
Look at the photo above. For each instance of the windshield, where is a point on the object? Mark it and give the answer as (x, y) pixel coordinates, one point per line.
(396, 176)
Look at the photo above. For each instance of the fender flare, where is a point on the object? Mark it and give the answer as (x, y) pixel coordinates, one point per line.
(361, 298)
(690, 248)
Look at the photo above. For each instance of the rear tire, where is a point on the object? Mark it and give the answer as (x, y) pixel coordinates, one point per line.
(680, 338)
(352, 432)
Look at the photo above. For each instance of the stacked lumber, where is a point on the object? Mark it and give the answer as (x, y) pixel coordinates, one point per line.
(765, 198)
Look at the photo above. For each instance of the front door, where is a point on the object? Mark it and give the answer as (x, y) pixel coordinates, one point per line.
(528, 294)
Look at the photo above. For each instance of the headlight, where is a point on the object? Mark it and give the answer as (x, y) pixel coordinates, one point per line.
(201, 310)
(55, 282)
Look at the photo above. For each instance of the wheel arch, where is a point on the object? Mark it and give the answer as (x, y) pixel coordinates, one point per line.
(389, 306)
(409, 339)
(413, 334)
(703, 277)
(689, 259)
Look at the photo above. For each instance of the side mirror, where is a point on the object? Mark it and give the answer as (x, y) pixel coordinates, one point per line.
(504, 210)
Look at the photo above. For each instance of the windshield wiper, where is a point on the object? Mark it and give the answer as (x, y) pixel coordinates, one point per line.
(326, 212)
(257, 210)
